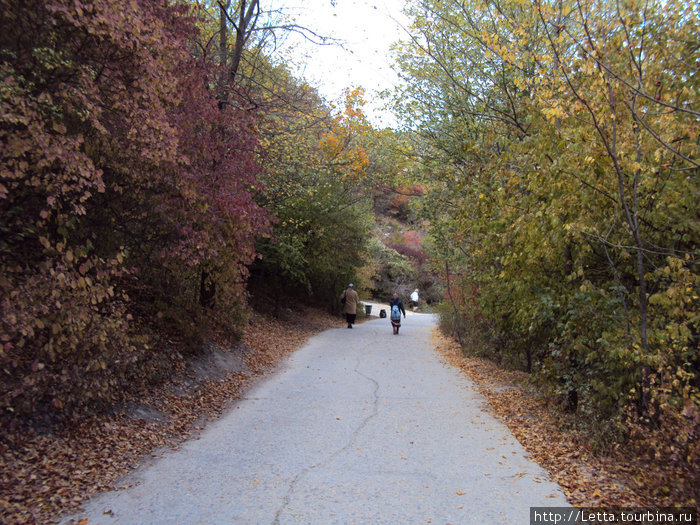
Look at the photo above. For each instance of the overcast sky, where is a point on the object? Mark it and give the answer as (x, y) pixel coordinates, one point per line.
(367, 29)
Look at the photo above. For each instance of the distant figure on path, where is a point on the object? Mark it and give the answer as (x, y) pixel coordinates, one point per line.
(415, 299)
(396, 309)
(349, 298)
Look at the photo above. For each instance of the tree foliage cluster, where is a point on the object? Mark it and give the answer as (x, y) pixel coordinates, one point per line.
(401, 262)
(314, 184)
(398, 262)
(559, 145)
(145, 148)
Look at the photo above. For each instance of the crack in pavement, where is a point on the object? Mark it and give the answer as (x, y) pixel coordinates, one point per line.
(375, 410)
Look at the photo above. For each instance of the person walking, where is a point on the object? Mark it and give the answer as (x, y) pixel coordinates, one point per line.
(396, 309)
(349, 298)
(414, 299)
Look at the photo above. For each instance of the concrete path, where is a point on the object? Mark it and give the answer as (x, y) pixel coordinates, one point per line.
(359, 426)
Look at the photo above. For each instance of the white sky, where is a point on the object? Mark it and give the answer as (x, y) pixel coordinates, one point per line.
(368, 28)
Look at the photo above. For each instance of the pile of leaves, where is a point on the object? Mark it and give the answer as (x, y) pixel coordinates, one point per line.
(45, 475)
(620, 478)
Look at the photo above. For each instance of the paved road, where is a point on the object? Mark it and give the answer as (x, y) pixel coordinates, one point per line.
(359, 426)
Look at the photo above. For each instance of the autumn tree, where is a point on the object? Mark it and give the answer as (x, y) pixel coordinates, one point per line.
(559, 144)
(314, 169)
(109, 197)
(242, 37)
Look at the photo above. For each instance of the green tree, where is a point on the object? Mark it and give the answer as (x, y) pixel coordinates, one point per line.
(314, 183)
(559, 144)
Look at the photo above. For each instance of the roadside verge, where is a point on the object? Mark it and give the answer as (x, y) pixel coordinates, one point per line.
(589, 480)
(44, 475)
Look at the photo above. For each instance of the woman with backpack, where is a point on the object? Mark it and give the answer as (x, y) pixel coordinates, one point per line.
(396, 309)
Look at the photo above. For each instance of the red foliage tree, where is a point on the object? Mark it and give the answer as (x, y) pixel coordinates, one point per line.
(410, 244)
(118, 173)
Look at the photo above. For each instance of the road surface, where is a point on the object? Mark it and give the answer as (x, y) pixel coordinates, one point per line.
(359, 426)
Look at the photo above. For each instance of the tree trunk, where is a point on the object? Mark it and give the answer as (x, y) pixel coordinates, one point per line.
(223, 50)
(207, 290)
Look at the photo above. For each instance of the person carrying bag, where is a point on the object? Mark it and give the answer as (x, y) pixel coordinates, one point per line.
(396, 310)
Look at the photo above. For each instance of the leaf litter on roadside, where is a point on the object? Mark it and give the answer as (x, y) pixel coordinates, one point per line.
(588, 480)
(44, 476)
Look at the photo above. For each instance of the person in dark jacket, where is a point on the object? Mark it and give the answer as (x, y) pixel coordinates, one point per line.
(396, 322)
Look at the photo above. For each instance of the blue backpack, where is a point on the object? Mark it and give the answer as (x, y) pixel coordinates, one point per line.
(395, 313)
